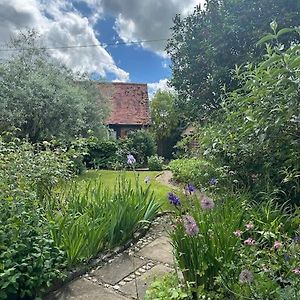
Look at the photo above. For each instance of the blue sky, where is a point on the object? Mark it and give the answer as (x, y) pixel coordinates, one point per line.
(142, 64)
(101, 22)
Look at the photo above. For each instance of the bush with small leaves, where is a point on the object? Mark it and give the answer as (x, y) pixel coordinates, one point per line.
(155, 163)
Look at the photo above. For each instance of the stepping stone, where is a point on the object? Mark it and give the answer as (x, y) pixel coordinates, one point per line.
(137, 288)
(82, 289)
(160, 250)
(120, 268)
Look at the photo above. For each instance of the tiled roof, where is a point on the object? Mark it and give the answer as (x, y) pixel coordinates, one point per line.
(129, 103)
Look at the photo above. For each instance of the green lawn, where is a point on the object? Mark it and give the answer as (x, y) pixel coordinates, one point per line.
(109, 178)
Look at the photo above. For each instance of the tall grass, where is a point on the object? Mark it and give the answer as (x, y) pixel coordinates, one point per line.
(88, 219)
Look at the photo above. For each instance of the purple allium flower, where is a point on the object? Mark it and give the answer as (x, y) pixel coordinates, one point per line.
(190, 226)
(147, 179)
(173, 199)
(277, 245)
(213, 181)
(297, 239)
(246, 276)
(238, 233)
(249, 242)
(249, 225)
(207, 203)
(286, 257)
(296, 271)
(190, 188)
(130, 159)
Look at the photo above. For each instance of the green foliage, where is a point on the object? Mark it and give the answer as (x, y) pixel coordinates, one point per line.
(142, 145)
(165, 122)
(89, 219)
(289, 293)
(27, 170)
(257, 134)
(163, 114)
(205, 255)
(230, 250)
(185, 147)
(155, 163)
(199, 172)
(29, 260)
(101, 154)
(46, 100)
(206, 45)
(272, 259)
(166, 288)
(230, 237)
(109, 177)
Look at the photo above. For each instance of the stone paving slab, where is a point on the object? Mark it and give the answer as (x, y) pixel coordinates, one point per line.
(118, 269)
(120, 278)
(160, 250)
(137, 288)
(82, 289)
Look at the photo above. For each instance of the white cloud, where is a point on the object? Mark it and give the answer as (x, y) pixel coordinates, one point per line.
(59, 24)
(147, 19)
(160, 85)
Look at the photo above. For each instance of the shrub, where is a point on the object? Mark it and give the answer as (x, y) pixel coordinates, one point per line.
(141, 145)
(257, 133)
(155, 163)
(101, 154)
(27, 169)
(202, 173)
(29, 260)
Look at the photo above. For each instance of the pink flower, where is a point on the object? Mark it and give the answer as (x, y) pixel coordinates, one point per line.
(190, 226)
(207, 203)
(246, 276)
(249, 242)
(277, 245)
(249, 225)
(296, 271)
(238, 233)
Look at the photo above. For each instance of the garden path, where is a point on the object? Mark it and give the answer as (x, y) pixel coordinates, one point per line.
(128, 274)
(166, 178)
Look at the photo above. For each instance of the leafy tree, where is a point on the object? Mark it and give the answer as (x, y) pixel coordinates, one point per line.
(206, 45)
(44, 99)
(165, 121)
(259, 135)
(163, 114)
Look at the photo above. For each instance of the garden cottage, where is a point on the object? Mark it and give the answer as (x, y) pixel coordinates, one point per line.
(129, 104)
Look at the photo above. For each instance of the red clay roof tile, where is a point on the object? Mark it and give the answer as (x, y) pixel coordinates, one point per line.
(129, 103)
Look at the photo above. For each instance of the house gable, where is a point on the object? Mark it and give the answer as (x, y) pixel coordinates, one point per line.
(129, 103)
